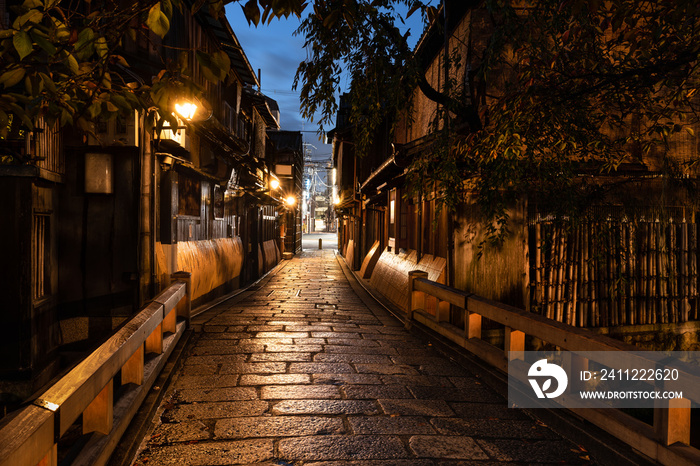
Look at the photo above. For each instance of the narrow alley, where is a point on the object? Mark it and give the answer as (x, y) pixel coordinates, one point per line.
(305, 371)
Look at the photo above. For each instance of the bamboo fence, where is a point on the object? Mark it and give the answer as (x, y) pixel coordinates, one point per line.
(616, 267)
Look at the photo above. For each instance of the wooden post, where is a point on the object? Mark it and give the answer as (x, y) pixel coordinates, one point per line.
(515, 344)
(170, 320)
(97, 417)
(416, 299)
(472, 322)
(184, 307)
(672, 421)
(154, 342)
(443, 311)
(320, 244)
(132, 371)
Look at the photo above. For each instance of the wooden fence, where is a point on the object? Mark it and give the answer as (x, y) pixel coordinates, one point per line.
(667, 441)
(30, 437)
(619, 267)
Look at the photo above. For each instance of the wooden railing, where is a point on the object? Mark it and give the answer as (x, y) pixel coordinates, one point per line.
(31, 436)
(667, 441)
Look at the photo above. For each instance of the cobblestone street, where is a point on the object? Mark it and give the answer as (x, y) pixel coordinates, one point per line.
(302, 371)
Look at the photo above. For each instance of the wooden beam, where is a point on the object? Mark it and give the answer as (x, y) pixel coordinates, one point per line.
(28, 438)
(97, 417)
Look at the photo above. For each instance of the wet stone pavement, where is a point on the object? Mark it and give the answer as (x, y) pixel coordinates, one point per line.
(303, 372)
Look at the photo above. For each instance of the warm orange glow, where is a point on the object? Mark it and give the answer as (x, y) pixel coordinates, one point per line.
(186, 110)
(274, 183)
(290, 200)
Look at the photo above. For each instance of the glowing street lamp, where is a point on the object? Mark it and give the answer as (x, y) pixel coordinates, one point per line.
(290, 201)
(274, 183)
(186, 110)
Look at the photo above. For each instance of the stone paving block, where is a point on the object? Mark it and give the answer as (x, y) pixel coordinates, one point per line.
(285, 335)
(280, 357)
(342, 379)
(279, 426)
(325, 407)
(359, 349)
(399, 425)
(214, 328)
(217, 394)
(210, 453)
(252, 379)
(525, 451)
(480, 394)
(293, 348)
(198, 381)
(215, 359)
(492, 428)
(309, 341)
(344, 336)
(353, 358)
(199, 369)
(437, 446)
(254, 368)
(352, 342)
(203, 350)
(300, 392)
(487, 411)
(385, 369)
(341, 447)
(416, 380)
(431, 408)
(320, 367)
(374, 392)
(264, 328)
(188, 431)
(275, 341)
(217, 410)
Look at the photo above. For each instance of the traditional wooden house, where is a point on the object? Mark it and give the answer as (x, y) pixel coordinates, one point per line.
(285, 159)
(629, 266)
(95, 224)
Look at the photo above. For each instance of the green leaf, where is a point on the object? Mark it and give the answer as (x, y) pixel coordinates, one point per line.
(30, 17)
(12, 77)
(251, 12)
(23, 44)
(221, 61)
(29, 4)
(101, 47)
(62, 32)
(157, 21)
(41, 41)
(85, 46)
(48, 82)
(72, 64)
